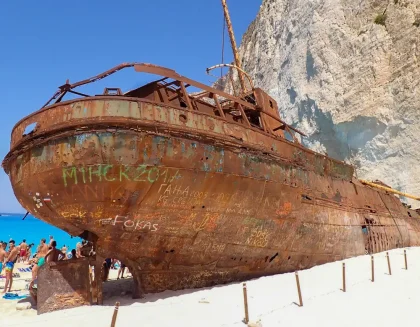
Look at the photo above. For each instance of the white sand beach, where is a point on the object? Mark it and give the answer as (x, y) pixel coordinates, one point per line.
(388, 301)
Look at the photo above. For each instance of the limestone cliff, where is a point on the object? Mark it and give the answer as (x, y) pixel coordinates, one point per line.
(346, 72)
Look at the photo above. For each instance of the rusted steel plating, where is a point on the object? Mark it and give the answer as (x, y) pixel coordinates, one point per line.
(193, 190)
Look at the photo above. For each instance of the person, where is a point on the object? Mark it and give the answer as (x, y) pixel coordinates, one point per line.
(2, 256)
(23, 249)
(54, 254)
(73, 254)
(41, 253)
(33, 290)
(79, 250)
(64, 250)
(29, 252)
(106, 265)
(51, 240)
(10, 262)
(121, 270)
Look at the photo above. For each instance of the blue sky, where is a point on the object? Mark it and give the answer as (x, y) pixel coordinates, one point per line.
(45, 42)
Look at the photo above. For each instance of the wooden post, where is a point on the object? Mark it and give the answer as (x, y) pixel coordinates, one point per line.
(344, 277)
(114, 316)
(405, 259)
(373, 269)
(389, 263)
(246, 320)
(298, 287)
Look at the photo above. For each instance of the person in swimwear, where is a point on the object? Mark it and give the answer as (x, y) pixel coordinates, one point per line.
(2, 256)
(10, 262)
(42, 252)
(23, 249)
(54, 254)
(51, 240)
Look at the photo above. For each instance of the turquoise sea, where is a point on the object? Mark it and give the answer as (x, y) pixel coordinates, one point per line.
(32, 229)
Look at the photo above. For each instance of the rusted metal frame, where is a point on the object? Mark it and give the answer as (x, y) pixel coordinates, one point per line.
(56, 94)
(287, 128)
(264, 124)
(107, 89)
(235, 67)
(284, 123)
(178, 94)
(165, 85)
(157, 70)
(61, 96)
(186, 96)
(218, 106)
(102, 75)
(233, 43)
(202, 95)
(241, 109)
(78, 93)
(280, 127)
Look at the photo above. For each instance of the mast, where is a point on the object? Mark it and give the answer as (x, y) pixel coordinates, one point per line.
(233, 44)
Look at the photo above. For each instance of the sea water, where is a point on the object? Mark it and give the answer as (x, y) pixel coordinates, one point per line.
(32, 230)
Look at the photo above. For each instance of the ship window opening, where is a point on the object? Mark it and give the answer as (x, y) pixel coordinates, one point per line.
(273, 257)
(305, 197)
(409, 214)
(271, 104)
(369, 221)
(203, 207)
(289, 258)
(364, 229)
(29, 129)
(182, 104)
(182, 118)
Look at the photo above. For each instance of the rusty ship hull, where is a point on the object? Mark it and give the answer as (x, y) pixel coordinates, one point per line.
(188, 197)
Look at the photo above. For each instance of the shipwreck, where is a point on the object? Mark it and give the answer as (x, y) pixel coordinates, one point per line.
(195, 189)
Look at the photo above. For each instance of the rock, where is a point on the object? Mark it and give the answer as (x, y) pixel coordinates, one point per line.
(23, 306)
(349, 83)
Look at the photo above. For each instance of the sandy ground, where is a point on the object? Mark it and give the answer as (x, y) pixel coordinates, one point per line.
(389, 301)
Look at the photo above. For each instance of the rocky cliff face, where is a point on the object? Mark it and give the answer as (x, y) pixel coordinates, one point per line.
(346, 72)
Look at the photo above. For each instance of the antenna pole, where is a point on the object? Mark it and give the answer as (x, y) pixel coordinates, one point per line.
(233, 43)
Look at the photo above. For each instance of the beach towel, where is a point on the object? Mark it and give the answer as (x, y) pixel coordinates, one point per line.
(14, 296)
(29, 269)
